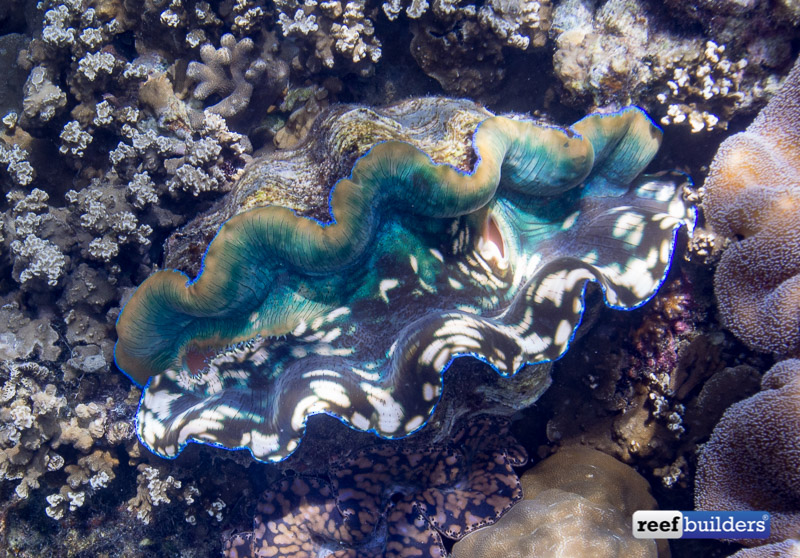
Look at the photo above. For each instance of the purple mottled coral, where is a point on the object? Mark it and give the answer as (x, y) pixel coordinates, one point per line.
(751, 461)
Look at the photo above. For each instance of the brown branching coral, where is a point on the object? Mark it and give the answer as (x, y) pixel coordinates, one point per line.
(231, 72)
(92, 472)
(753, 197)
(390, 502)
(577, 503)
(750, 462)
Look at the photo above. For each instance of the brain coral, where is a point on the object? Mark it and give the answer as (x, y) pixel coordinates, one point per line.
(390, 501)
(751, 460)
(419, 263)
(577, 503)
(753, 196)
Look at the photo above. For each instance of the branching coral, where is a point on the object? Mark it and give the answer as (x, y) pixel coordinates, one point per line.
(753, 197)
(95, 470)
(716, 78)
(231, 72)
(205, 157)
(332, 28)
(17, 165)
(577, 503)
(28, 422)
(750, 462)
(32, 230)
(43, 99)
(617, 52)
(41, 258)
(99, 215)
(74, 140)
(391, 501)
(151, 490)
(262, 304)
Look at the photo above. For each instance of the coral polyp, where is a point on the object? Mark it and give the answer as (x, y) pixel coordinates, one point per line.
(420, 263)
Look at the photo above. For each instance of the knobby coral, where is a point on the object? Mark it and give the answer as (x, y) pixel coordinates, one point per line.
(390, 501)
(753, 197)
(421, 263)
(750, 462)
(578, 502)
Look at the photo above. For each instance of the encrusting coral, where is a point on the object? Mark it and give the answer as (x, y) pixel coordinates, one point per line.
(390, 501)
(576, 503)
(456, 245)
(753, 197)
(750, 462)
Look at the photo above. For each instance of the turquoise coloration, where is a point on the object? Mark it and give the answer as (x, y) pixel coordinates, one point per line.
(420, 264)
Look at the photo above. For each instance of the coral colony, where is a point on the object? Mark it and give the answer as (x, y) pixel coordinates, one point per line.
(396, 278)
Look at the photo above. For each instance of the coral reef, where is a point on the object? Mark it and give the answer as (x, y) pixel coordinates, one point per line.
(17, 165)
(333, 33)
(750, 462)
(130, 130)
(760, 31)
(478, 254)
(38, 426)
(29, 421)
(578, 502)
(228, 73)
(619, 52)
(471, 37)
(753, 196)
(391, 500)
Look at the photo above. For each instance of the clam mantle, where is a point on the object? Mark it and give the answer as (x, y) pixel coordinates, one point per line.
(421, 261)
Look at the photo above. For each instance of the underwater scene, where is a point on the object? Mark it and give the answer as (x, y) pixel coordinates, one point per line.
(400, 278)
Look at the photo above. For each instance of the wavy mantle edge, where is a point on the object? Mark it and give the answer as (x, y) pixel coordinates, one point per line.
(576, 143)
